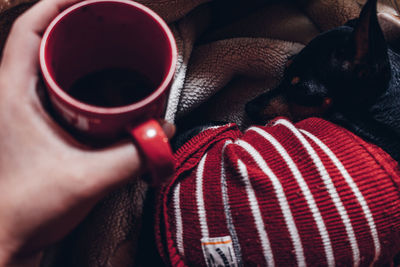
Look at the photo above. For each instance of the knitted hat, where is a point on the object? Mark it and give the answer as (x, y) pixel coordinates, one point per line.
(280, 195)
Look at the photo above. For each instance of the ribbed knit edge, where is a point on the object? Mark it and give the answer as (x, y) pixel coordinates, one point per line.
(185, 160)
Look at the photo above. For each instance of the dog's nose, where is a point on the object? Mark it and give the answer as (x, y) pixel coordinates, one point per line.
(268, 106)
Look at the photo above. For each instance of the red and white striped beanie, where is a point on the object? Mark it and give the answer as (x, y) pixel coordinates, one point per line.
(280, 195)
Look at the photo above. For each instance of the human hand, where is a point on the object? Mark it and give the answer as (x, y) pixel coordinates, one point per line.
(48, 182)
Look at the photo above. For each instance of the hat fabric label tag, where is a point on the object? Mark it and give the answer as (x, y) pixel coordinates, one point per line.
(218, 251)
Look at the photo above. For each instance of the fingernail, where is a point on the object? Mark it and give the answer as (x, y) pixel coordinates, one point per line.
(169, 129)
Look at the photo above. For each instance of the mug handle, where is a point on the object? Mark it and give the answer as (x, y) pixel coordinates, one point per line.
(155, 149)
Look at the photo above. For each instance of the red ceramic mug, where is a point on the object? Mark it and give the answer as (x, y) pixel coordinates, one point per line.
(99, 34)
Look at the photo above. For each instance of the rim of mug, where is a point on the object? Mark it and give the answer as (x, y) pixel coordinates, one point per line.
(54, 87)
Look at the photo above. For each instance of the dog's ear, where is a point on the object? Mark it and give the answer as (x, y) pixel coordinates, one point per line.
(368, 39)
(364, 59)
(367, 47)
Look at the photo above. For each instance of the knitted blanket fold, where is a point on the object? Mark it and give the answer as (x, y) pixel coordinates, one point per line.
(304, 194)
(229, 52)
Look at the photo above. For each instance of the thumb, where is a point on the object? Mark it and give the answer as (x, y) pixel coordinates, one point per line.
(116, 165)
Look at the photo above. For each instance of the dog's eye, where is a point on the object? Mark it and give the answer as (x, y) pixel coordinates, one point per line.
(295, 80)
(327, 102)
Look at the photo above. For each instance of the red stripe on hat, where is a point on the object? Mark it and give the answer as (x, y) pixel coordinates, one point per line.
(187, 158)
(374, 182)
(242, 216)
(281, 241)
(303, 217)
(213, 195)
(342, 243)
(314, 239)
(190, 222)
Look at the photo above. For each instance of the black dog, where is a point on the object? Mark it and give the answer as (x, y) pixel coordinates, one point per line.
(348, 76)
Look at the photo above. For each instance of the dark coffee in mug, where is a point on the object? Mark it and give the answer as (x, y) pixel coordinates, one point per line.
(111, 87)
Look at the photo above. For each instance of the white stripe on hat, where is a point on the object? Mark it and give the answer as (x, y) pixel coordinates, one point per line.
(327, 181)
(280, 194)
(305, 190)
(178, 219)
(227, 209)
(255, 210)
(200, 198)
(356, 191)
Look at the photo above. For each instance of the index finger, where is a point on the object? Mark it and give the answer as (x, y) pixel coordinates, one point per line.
(20, 55)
